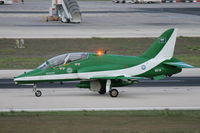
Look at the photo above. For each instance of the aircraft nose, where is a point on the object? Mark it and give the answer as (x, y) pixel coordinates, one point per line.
(20, 78)
(26, 77)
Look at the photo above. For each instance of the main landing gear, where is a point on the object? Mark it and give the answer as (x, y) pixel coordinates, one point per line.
(112, 92)
(38, 93)
(106, 87)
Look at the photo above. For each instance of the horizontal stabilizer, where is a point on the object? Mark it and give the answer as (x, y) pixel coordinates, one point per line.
(179, 64)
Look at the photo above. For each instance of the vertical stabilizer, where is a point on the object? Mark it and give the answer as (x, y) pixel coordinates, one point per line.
(162, 47)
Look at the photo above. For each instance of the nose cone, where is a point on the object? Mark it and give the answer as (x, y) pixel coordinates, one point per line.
(21, 78)
(25, 78)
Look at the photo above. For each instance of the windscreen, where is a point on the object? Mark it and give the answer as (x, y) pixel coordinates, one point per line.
(55, 61)
(61, 59)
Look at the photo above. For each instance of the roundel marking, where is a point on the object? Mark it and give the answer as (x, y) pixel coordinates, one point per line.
(69, 70)
(143, 67)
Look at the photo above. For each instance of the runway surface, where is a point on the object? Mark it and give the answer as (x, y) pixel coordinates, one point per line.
(168, 82)
(100, 19)
(170, 93)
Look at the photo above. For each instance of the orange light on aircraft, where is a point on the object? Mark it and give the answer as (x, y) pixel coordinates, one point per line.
(99, 52)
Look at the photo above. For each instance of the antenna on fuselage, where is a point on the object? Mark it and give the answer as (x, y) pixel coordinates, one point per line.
(105, 52)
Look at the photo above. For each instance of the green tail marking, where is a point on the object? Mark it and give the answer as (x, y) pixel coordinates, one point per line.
(158, 44)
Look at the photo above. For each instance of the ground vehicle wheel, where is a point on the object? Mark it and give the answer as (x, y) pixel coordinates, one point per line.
(114, 93)
(38, 93)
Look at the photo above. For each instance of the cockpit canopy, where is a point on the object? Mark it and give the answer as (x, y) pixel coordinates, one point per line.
(63, 59)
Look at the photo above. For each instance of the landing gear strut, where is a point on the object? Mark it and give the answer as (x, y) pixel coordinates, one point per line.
(112, 92)
(108, 88)
(38, 93)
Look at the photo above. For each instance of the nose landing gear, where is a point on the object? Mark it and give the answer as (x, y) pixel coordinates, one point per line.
(38, 93)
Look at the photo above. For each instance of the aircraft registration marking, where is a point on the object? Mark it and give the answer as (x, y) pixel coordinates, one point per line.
(50, 73)
(158, 70)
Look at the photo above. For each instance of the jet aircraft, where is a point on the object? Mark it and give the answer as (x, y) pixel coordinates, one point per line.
(100, 72)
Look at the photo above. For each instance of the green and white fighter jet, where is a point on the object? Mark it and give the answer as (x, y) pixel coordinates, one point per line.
(100, 72)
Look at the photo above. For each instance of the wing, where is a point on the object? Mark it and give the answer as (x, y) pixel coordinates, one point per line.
(117, 77)
(117, 81)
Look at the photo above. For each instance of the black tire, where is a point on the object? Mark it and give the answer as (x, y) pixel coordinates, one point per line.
(38, 93)
(62, 21)
(114, 93)
(67, 21)
(103, 87)
(102, 91)
(169, 75)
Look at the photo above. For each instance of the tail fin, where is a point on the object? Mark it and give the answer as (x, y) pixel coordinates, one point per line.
(163, 47)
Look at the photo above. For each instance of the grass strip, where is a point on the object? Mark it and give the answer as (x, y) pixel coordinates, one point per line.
(145, 113)
(155, 121)
(35, 51)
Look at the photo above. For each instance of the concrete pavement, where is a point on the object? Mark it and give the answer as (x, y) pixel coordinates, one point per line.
(130, 98)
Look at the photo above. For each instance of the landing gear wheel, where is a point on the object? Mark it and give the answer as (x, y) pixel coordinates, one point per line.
(102, 91)
(169, 75)
(38, 93)
(114, 93)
